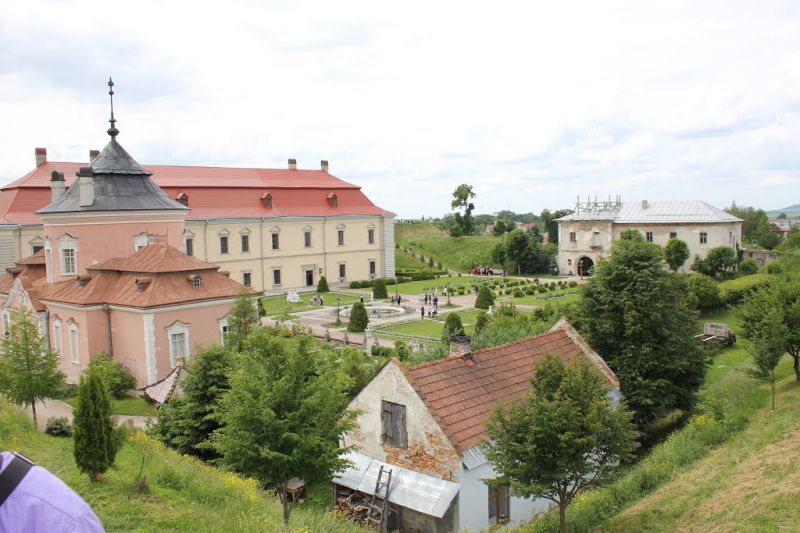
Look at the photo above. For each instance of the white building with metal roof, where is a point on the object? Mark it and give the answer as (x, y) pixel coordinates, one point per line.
(588, 233)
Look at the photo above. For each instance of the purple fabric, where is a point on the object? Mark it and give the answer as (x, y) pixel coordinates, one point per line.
(44, 503)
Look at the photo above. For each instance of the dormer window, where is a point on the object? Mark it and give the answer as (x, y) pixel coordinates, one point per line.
(183, 198)
(142, 283)
(194, 279)
(267, 199)
(333, 200)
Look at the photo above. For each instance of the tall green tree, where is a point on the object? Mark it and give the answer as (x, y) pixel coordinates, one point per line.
(720, 261)
(462, 199)
(93, 431)
(186, 422)
(676, 252)
(284, 415)
(519, 249)
(767, 349)
(638, 319)
(549, 224)
(560, 437)
(704, 293)
(242, 320)
(782, 294)
(502, 226)
(28, 369)
(379, 289)
(756, 226)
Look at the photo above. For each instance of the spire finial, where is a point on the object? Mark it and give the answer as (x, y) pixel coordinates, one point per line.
(113, 131)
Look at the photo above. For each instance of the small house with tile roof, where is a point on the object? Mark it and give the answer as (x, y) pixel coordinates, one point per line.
(111, 276)
(426, 424)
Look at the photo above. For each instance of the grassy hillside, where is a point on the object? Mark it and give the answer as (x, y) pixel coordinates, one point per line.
(184, 494)
(458, 253)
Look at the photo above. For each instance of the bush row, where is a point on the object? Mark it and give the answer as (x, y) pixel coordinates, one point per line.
(734, 291)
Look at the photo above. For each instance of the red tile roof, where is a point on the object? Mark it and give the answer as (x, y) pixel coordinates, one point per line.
(461, 394)
(212, 192)
(114, 281)
(31, 273)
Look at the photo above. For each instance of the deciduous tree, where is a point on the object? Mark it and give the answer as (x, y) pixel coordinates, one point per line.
(561, 437)
(242, 320)
(28, 369)
(767, 349)
(284, 415)
(639, 321)
(676, 252)
(462, 200)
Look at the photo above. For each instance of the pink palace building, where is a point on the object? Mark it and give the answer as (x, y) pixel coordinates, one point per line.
(112, 277)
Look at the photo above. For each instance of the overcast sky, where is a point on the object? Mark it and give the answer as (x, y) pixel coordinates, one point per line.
(532, 103)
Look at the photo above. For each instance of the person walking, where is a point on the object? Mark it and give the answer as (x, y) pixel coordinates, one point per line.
(422, 312)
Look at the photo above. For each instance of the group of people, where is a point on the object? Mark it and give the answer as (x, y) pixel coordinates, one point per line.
(432, 301)
(488, 271)
(317, 300)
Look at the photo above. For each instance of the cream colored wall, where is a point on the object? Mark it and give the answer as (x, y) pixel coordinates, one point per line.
(292, 257)
(429, 451)
(721, 234)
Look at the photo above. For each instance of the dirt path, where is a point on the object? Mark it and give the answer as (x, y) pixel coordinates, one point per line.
(57, 408)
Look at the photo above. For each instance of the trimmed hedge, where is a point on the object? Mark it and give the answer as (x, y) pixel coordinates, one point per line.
(734, 291)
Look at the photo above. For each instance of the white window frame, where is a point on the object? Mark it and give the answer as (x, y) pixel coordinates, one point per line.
(178, 328)
(339, 271)
(340, 236)
(372, 268)
(596, 238)
(74, 344)
(275, 238)
(67, 242)
(249, 273)
(371, 234)
(58, 338)
(280, 275)
(648, 236)
(703, 237)
(142, 240)
(308, 241)
(223, 330)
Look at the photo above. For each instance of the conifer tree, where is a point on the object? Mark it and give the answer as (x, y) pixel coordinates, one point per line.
(452, 326)
(93, 431)
(358, 318)
(485, 298)
(28, 369)
(322, 285)
(379, 289)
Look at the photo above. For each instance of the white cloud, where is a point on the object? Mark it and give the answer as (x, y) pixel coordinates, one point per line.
(533, 103)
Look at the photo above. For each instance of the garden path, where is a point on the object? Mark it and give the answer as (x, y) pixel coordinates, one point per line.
(56, 408)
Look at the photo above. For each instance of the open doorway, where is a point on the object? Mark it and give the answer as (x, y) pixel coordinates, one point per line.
(309, 277)
(585, 267)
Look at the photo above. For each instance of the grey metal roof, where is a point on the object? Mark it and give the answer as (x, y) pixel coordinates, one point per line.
(114, 159)
(473, 458)
(666, 212)
(413, 490)
(120, 184)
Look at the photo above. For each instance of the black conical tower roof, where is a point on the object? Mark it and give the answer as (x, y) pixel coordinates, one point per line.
(114, 159)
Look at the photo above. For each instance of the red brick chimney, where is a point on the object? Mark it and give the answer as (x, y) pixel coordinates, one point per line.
(41, 156)
(293, 164)
(93, 155)
(324, 165)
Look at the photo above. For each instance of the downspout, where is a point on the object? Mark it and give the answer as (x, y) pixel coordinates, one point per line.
(19, 242)
(108, 325)
(205, 240)
(261, 251)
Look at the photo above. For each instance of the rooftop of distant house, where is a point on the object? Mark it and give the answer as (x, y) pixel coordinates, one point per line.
(646, 212)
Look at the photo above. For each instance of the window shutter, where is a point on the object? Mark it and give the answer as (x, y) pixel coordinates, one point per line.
(387, 423)
(402, 436)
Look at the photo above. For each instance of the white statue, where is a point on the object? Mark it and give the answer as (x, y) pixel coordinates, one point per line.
(293, 297)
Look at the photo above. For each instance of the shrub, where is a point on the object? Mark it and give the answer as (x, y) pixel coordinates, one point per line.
(114, 374)
(402, 350)
(530, 290)
(704, 293)
(355, 284)
(507, 291)
(748, 267)
(58, 427)
(518, 293)
(322, 286)
(485, 298)
(573, 283)
(481, 321)
(381, 351)
(452, 326)
(358, 318)
(379, 289)
(552, 287)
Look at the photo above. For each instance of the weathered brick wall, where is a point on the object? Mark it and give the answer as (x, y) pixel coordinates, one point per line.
(428, 450)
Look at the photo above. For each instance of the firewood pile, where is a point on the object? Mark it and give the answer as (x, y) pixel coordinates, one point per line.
(353, 504)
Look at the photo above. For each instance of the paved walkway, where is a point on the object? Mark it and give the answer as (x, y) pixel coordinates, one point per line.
(57, 408)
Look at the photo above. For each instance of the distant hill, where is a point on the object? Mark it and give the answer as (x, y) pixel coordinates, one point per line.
(791, 209)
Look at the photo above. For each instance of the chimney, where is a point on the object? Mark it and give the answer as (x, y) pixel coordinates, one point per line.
(41, 156)
(86, 186)
(644, 204)
(93, 155)
(324, 165)
(461, 346)
(293, 164)
(56, 185)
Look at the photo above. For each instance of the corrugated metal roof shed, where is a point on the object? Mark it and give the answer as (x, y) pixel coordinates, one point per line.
(666, 212)
(420, 492)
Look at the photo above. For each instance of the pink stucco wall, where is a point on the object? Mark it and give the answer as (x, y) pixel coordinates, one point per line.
(92, 338)
(102, 239)
(128, 338)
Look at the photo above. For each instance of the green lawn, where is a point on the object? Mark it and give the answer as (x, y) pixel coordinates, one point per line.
(182, 493)
(274, 305)
(404, 261)
(558, 297)
(433, 328)
(418, 287)
(124, 406)
(406, 231)
(459, 253)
